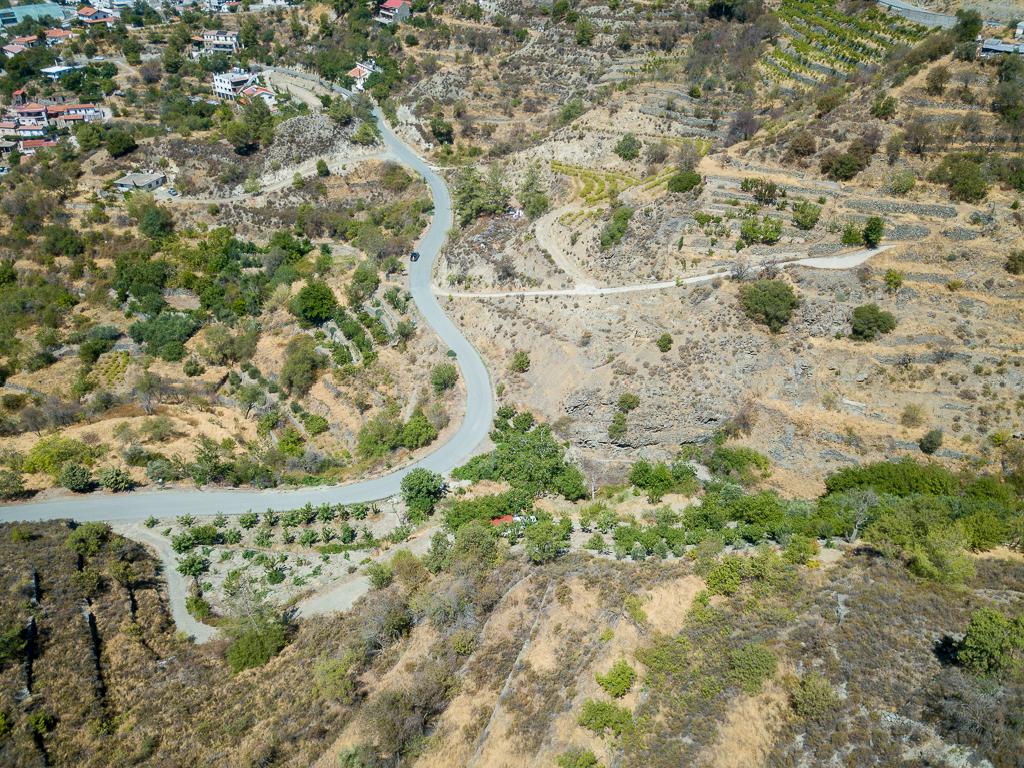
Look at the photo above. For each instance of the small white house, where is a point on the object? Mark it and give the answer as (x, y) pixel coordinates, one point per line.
(361, 72)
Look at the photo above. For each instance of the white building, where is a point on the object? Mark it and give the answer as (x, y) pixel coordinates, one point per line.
(360, 72)
(217, 41)
(227, 85)
(144, 181)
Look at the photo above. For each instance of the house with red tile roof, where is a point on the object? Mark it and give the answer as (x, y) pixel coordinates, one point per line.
(394, 11)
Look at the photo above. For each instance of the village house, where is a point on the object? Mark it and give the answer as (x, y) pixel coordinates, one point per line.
(27, 41)
(92, 16)
(57, 71)
(12, 49)
(394, 11)
(57, 36)
(995, 47)
(228, 85)
(251, 92)
(216, 41)
(136, 180)
(361, 72)
(31, 146)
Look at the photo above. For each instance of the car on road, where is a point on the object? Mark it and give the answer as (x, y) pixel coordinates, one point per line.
(414, 256)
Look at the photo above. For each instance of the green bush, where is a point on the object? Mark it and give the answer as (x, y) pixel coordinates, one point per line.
(813, 698)
(520, 362)
(604, 717)
(302, 365)
(50, 454)
(873, 231)
(664, 342)
(725, 576)
(75, 477)
(751, 665)
(869, 321)
(766, 230)
(254, 647)
(628, 147)
(380, 575)
(806, 215)
(1015, 263)
(993, 645)
(899, 478)
(769, 302)
(165, 335)
(619, 679)
(615, 229)
(684, 181)
(739, 462)
(902, 182)
(577, 758)
(443, 377)
(314, 304)
(421, 491)
(116, 479)
(931, 441)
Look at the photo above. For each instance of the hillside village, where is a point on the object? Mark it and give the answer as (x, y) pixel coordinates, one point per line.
(568, 383)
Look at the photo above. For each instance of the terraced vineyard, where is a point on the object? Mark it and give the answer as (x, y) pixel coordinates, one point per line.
(822, 42)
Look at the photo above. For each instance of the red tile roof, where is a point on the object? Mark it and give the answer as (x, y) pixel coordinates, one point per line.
(502, 520)
(393, 5)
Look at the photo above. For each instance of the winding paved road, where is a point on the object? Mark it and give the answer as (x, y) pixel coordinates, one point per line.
(456, 450)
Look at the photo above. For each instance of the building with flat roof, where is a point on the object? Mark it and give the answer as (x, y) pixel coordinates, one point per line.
(136, 181)
(36, 12)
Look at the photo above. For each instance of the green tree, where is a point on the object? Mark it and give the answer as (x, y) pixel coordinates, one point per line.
(873, 231)
(421, 491)
(365, 281)
(684, 181)
(931, 442)
(443, 377)
(993, 644)
(12, 485)
(119, 142)
(628, 147)
(545, 541)
(302, 365)
(444, 132)
(314, 304)
(75, 477)
(116, 479)
(321, 168)
(769, 302)
(869, 321)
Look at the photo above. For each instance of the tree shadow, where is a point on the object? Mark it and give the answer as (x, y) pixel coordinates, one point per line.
(945, 650)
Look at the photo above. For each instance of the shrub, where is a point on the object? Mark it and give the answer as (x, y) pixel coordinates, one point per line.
(315, 304)
(75, 477)
(615, 229)
(767, 230)
(739, 462)
(873, 231)
(725, 576)
(602, 716)
(545, 541)
(302, 364)
(931, 441)
(902, 182)
(913, 415)
(520, 362)
(806, 215)
(993, 644)
(578, 758)
(88, 539)
(664, 342)
(1015, 263)
(116, 479)
(684, 181)
(852, 234)
(869, 321)
(443, 377)
(335, 679)
(814, 698)
(50, 454)
(769, 302)
(899, 478)
(751, 665)
(256, 646)
(12, 486)
(800, 549)
(421, 490)
(380, 575)
(619, 679)
(628, 147)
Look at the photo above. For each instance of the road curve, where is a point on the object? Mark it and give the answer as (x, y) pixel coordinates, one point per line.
(456, 450)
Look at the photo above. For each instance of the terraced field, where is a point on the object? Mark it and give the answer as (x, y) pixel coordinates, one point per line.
(822, 42)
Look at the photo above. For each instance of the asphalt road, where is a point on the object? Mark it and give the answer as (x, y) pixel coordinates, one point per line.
(456, 450)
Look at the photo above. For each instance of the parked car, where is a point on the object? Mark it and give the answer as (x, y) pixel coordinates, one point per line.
(172, 192)
(414, 256)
